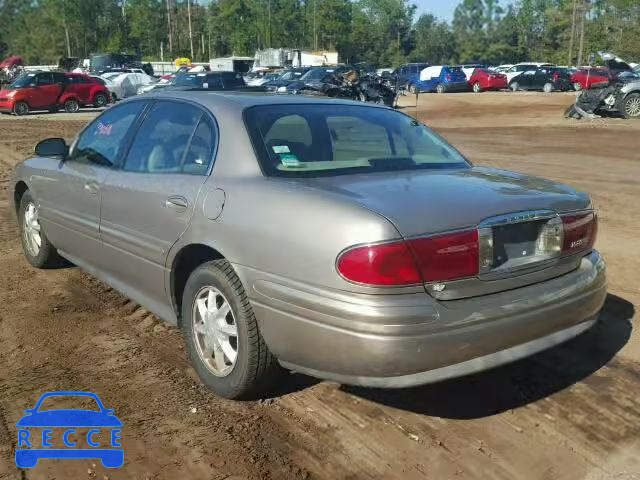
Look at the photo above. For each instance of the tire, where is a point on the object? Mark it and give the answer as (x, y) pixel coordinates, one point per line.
(71, 106)
(477, 88)
(114, 97)
(577, 86)
(547, 88)
(254, 369)
(514, 86)
(631, 106)
(45, 255)
(21, 108)
(100, 100)
(440, 88)
(413, 89)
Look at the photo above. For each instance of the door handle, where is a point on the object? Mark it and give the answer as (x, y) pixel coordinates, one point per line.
(92, 187)
(176, 202)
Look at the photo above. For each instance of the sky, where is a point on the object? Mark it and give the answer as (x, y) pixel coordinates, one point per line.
(442, 8)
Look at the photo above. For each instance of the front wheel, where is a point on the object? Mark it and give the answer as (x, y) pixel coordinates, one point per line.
(222, 336)
(514, 86)
(21, 108)
(413, 89)
(477, 88)
(577, 86)
(440, 88)
(547, 88)
(631, 106)
(38, 251)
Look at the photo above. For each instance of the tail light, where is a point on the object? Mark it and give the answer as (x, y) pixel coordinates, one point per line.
(456, 255)
(580, 231)
(406, 262)
(556, 75)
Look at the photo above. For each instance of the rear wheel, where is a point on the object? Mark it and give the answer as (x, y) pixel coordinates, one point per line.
(440, 88)
(631, 106)
(514, 86)
(71, 106)
(547, 88)
(100, 100)
(38, 251)
(21, 108)
(577, 86)
(224, 342)
(477, 88)
(413, 89)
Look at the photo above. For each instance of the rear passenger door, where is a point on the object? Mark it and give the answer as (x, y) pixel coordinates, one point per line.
(148, 202)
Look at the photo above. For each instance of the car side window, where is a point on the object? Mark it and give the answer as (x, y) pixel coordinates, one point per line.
(59, 78)
(44, 79)
(213, 82)
(295, 128)
(163, 138)
(103, 141)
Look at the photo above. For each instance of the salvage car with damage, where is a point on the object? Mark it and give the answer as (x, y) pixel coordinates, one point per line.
(340, 239)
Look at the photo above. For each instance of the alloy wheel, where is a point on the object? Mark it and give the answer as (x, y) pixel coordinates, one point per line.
(215, 331)
(31, 230)
(632, 107)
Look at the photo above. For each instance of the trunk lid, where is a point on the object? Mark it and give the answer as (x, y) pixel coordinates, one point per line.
(424, 202)
(511, 208)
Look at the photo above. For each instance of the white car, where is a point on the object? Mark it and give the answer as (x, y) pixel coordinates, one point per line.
(127, 84)
(519, 68)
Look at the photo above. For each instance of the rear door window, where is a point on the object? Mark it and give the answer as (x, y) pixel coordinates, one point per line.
(45, 78)
(163, 138)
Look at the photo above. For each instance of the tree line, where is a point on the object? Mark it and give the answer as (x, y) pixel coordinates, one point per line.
(379, 32)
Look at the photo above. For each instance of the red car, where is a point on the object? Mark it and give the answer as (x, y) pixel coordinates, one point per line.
(483, 79)
(586, 78)
(52, 91)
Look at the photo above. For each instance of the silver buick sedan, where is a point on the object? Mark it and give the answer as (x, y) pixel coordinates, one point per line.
(341, 240)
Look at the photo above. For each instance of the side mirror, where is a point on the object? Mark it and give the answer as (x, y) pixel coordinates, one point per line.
(52, 147)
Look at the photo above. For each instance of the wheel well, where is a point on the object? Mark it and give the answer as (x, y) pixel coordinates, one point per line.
(186, 261)
(21, 187)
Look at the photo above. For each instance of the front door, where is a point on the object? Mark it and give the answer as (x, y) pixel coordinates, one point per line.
(148, 203)
(70, 194)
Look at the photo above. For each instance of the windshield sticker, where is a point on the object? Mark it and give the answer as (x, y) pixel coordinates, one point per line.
(104, 129)
(281, 149)
(289, 160)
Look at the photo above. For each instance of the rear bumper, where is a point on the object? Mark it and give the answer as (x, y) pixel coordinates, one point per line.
(411, 339)
(456, 86)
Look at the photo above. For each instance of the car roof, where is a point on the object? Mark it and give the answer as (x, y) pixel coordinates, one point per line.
(236, 100)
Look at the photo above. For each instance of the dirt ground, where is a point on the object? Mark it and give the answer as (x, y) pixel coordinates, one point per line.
(569, 413)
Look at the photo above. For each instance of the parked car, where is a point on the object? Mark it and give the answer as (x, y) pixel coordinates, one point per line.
(546, 79)
(51, 91)
(441, 79)
(128, 84)
(397, 262)
(502, 68)
(518, 68)
(279, 84)
(469, 68)
(587, 77)
(407, 74)
(314, 79)
(212, 81)
(484, 79)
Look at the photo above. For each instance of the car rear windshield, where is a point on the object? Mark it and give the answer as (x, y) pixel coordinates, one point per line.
(190, 79)
(314, 140)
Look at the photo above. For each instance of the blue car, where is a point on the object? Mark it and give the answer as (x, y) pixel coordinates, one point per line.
(441, 79)
(279, 85)
(69, 419)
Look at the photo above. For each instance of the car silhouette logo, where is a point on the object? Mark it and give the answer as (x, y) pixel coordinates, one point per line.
(69, 419)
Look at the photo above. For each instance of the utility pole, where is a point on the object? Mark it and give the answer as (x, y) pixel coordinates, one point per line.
(190, 32)
(169, 25)
(573, 32)
(315, 33)
(269, 24)
(583, 15)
